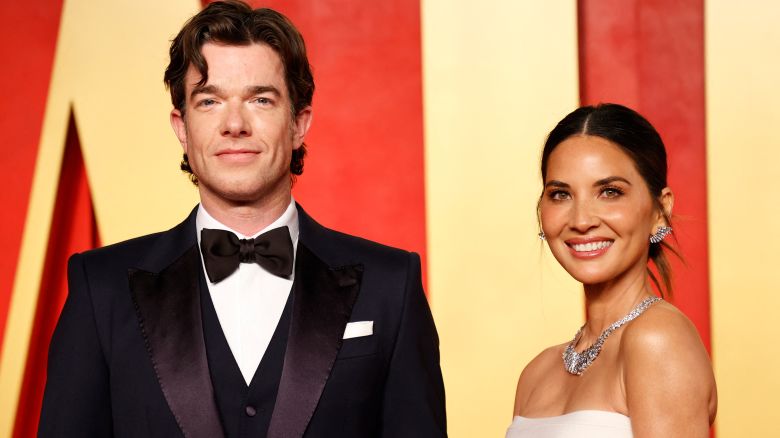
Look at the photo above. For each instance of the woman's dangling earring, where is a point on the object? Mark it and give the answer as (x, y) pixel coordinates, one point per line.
(660, 234)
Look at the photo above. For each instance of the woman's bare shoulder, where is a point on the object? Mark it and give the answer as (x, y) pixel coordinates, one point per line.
(661, 329)
(534, 372)
(666, 369)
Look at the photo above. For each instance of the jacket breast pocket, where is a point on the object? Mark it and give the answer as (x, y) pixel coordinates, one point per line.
(358, 347)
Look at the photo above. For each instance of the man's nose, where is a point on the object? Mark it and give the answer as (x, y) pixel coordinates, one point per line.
(235, 122)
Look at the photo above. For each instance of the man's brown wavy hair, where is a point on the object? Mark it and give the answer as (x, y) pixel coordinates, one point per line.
(236, 23)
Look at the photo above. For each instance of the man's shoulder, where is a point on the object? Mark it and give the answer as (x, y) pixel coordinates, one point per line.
(132, 251)
(129, 246)
(360, 244)
(341, 248)
(118, 256)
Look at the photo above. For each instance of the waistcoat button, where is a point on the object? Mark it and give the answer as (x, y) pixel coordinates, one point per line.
(250, 411)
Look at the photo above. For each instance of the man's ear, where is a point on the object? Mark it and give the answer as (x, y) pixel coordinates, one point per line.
(301, 126)
(179, 127)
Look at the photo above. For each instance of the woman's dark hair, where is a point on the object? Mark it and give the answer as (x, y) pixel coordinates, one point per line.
(235, 23)
(639, 140)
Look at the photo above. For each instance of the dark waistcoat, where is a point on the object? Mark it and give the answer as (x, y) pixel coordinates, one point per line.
(245, 411)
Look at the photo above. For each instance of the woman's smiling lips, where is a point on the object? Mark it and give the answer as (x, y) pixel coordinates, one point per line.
(587, 248)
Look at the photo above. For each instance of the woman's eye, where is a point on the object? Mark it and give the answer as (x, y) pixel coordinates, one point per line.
(558, 195)
(611, 192)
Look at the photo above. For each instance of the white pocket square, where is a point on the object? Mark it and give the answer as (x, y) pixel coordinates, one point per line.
(358, 329)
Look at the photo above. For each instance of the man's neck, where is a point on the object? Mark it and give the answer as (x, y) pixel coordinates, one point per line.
(246, 218)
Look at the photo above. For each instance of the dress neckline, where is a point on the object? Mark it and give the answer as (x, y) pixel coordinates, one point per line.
(581, 424)
(581, 412)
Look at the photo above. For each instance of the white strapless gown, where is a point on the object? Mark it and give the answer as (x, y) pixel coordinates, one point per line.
(578, 424)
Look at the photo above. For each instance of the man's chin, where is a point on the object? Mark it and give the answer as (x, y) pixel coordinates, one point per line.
(242, 196)
(243, 193)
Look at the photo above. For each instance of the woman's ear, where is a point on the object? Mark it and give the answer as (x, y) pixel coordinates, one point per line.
(667, 202)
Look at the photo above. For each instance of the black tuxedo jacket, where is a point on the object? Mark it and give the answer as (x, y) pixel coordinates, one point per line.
(128, 357)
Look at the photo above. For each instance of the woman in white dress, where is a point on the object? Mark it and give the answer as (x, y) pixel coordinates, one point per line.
(637, 367)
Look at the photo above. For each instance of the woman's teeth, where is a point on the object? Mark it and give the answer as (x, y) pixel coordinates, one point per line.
(591, 246)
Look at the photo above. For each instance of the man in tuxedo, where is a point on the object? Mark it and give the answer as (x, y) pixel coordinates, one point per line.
(248, 319)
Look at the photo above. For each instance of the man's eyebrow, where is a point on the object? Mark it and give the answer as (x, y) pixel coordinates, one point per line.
(260, 89)
(255, 89)
(609, 180)
(204, 89)
(556, 183)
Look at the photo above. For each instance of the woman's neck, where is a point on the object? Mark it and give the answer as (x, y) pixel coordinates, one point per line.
(610, 301)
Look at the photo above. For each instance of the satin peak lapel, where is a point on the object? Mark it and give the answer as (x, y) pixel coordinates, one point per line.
(168, 309)
(322, 304)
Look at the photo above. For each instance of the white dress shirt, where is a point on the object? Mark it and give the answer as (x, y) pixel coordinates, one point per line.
(249, 302)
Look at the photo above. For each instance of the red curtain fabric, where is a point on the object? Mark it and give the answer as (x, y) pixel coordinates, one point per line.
(29, 37)
(649, 55)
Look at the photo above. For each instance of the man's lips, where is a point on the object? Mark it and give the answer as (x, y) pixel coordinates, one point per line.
(237, 154)
(237, 151)
(589, 247)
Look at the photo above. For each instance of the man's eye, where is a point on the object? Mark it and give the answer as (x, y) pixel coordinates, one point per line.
(207, 102)
(263, 101)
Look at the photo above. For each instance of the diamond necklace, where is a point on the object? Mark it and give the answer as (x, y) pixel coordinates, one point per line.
(576, 363)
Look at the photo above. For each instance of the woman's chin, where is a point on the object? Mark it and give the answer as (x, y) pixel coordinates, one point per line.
(591, 277)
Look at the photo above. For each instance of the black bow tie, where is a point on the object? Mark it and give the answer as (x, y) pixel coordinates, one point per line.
(223, 251)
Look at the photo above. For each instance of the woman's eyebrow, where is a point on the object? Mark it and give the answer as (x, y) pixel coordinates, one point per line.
(556, 183)
(609, 180)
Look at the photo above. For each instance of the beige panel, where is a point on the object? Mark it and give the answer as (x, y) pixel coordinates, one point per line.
(743, 145)
(116, 57)
(108, 67)
(498, 75)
